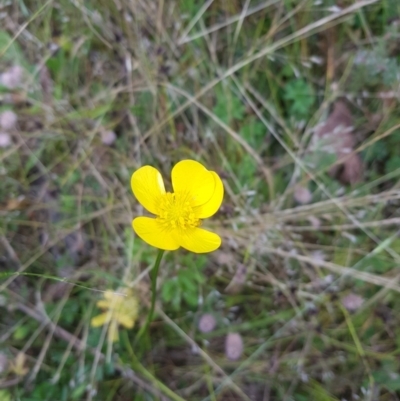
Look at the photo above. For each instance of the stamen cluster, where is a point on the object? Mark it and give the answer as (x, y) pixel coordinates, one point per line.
(176, 211)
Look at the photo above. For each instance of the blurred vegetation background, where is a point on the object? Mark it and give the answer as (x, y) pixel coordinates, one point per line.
(295, 103)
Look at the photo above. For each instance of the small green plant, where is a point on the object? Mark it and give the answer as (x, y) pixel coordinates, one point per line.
(254, 132)
(229, 107)
(184, 287)
(300, 97)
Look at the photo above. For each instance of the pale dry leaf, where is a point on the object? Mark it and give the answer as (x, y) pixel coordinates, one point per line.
(18, 203)
(352, 170)
(339, 123)
(233, 346)
(223, 258)
(47, 84)
(56, 291)
(5, 140)
(108, 137)
(207, 323)
(12, 78)
(337, 135)
(318, 256)
(77, 247)
(302, 195)
(238, 280)
(314, 221)
(3, 362)
(352, 302)
(8, 120)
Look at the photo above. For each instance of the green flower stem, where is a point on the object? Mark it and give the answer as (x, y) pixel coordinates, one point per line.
(140, 369)
(153, 277)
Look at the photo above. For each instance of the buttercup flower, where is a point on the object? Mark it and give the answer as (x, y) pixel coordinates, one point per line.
(121, 308)
(197, 195)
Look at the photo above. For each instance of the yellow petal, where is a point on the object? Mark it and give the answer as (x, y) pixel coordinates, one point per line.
(198, 240)
(191, 177)
(132, 305)
(212, 206)
(100, 320)
(148, 186)
(103, 304)
(109, 295)
(150, 231)
(113, 332)
(125, 320)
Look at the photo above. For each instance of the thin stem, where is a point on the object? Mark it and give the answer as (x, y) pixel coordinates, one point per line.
(153, 277)
(139, 368)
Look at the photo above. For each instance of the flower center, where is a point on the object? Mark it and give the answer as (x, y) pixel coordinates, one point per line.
(176, 211)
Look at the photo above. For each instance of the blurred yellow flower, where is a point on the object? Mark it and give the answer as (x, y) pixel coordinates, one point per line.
(120, 307)
(197, 195)
(18, 365)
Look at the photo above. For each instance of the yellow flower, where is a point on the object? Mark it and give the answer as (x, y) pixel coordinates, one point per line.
(18, 365)
(197, 195)
(121, 308)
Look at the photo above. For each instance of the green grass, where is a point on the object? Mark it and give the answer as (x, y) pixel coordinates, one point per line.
(241, 87)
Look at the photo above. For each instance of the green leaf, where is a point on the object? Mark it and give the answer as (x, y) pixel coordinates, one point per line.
(43, 391)
(142, 107)
(68, 202)
(376, 152)
(79, 391)
(70, 311)
(191, 298)
(170, 289)
(287, 71)
(318, 392)
(183, 286)
(5, 395)
(319, 159)
(246, 169)
(176, 302)
(389, 379)
(193, 261)
(253, 132)
(12, 51)
(199, 277)
(392, 164)
(300, 97)
(186, 281)
(96, 112)
(56, 63)
(21, 332)
(375, 264)
(190, 7)
(229, 107)
(391, 73)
